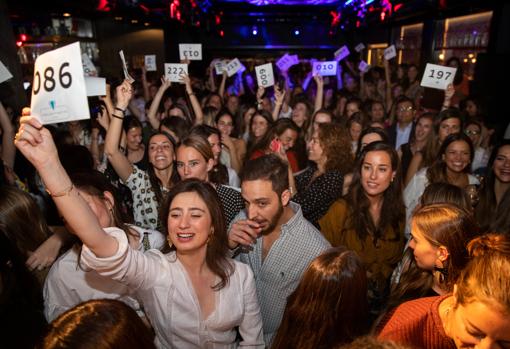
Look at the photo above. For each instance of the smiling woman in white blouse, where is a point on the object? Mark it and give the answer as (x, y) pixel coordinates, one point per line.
(194, 296)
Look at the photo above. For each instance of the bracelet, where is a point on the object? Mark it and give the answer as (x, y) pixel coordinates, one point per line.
(118, 117)
(121, 110)
(191, 94)
(64, 192)
(446, 106)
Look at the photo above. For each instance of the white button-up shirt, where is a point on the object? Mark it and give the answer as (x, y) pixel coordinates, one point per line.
(162, 284)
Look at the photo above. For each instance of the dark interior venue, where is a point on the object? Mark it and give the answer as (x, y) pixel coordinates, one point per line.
(280, 174)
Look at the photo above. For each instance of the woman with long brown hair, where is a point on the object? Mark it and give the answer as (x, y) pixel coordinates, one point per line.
(495, 185)
(474, 316)
(439, 236)
(99, 324)
(192, 288)
(147, 187)
(452, 165)
(69, 282)
(370, 220)
(329, 306)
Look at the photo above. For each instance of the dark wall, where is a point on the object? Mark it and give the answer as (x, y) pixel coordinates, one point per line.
(11, 91)
(114, 36)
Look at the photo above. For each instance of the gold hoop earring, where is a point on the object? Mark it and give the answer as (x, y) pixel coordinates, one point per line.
(170, 244)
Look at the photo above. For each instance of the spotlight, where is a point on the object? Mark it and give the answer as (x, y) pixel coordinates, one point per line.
(296, 32)
(254, 31)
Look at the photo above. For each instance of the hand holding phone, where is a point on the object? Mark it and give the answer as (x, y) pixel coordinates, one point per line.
(275, 145)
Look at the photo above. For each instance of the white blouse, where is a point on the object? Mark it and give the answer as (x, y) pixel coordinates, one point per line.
(162, 284)
(69, 282)
(414, 191)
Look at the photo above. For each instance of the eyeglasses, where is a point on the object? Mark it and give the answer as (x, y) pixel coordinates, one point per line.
(471, 133)
(403, 109)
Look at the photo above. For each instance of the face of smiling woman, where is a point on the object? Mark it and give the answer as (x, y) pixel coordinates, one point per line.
(376, 172)
(457, 156)
(189, 223)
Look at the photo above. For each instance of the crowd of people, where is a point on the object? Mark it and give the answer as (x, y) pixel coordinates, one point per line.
(323, 212)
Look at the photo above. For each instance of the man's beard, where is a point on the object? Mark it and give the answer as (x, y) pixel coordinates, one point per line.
(274, 220)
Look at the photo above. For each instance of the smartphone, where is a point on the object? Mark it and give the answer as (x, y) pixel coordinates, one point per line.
(95, 107)
(275, 145)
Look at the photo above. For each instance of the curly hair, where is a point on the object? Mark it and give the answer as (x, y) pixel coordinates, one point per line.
(336, 145)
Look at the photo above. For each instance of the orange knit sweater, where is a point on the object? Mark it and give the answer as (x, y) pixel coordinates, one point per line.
(416, 324)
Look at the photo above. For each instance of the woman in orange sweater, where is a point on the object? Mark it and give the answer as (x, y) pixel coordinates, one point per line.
(474, 316)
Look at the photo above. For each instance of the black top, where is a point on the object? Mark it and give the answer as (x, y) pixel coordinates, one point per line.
(231, 200)
(407, 155)
(315, 197)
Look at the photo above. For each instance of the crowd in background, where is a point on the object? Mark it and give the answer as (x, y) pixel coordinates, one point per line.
(221, 214)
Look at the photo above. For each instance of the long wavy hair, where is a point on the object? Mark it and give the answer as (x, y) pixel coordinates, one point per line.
(487, 205)
(22, 220)
(251, 141)
(336, 144)
(154, 180)
(393, 210)
(428, 152)
(100, 324)
(437, 172)
(276, 130)
(415, 282)
(217, 246)
(329, 307)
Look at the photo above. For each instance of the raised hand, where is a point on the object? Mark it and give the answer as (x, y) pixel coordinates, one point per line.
(35, 142)
(260, 92)
(449, 92)
(318, 80)
(279, 95)
(124, 94)
(244, 232)
(187, 82)
(103, 118)
(165, 84)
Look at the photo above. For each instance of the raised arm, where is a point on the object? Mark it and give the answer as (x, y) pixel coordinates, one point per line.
(145, 85)
(279, 97)
(260, 94)
(153, 109)
(221, 90)
(8, 149)
(212, 72)
(339, 79)
(117, 158)
(36, 144)
(195, 104)
(387, 77)
(240, 83)
(319, 96)
(448, 94)
(108, 100)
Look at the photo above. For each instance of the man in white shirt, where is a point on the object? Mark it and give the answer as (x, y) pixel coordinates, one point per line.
(277, 242)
